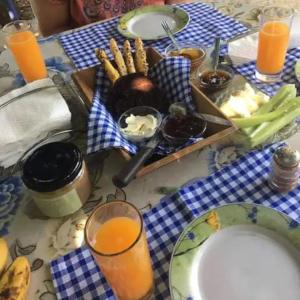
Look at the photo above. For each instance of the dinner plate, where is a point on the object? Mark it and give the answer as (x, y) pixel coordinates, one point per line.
(237, 251)
(145, 22)
(297, 70)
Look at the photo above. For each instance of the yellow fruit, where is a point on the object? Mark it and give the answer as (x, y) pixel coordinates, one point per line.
(15, 281)
(3, 255)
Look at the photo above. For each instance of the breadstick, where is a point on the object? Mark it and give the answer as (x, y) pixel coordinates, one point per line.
(128, 57)
(101, 54)
(111, 72)
(141, 57)
(118, 57)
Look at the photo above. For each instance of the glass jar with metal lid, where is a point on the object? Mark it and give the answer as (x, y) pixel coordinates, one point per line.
(57, 178)
(284, 175)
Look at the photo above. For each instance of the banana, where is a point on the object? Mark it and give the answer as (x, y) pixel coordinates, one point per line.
(3, 255)
(15, 281)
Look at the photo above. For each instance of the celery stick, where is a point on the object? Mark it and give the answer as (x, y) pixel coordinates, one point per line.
(258, 129)
(284, 94)
(287, 91)
(275, 126)
(287, 103)
(259, 119)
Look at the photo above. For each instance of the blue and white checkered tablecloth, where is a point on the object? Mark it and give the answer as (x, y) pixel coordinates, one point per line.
(288, 76)
(205, 24)
(76, 276)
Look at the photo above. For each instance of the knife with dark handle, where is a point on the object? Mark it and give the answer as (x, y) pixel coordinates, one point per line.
(128, 172)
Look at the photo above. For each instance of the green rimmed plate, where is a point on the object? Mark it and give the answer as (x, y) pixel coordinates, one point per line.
(297, 70)
(145, 22)
(237, 251)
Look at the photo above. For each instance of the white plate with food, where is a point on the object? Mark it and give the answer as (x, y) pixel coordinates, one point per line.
(145, 22)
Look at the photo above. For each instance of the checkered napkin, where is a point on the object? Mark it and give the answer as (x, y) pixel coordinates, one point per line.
(76, 276)
(171, 74)
(205, 24)
(248, 70)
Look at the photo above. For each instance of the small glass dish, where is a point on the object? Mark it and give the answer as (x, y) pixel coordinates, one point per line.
(215, 80)
(183, 126)
(188, 49)
(144, 134)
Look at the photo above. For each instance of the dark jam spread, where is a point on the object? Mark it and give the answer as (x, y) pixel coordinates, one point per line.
(184, 127)
(215, 78)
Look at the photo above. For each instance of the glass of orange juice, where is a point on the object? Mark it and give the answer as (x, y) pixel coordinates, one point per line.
(115, 235)
(276, 22)
(23, 44)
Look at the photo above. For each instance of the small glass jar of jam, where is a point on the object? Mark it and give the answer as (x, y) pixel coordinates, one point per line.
(284, 175)
(57, 178)
(214, 80)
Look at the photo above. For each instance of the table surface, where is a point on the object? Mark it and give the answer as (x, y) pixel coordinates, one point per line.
(43, 239)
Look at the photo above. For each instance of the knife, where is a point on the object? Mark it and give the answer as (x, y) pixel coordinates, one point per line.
(214, 119)
(179, 108)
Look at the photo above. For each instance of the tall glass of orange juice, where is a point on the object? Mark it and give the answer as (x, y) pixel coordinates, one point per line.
(115, 235)
(276, 22)
(23, 45)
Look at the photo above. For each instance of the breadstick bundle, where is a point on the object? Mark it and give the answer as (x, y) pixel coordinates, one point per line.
(124, 64)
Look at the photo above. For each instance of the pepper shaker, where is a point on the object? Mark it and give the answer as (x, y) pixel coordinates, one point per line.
(284, 175)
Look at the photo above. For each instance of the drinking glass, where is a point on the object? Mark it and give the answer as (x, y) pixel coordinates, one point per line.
(273, 42)
(115, 236)
(23, 44)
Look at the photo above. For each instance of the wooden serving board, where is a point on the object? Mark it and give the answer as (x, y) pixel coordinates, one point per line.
(85, 80)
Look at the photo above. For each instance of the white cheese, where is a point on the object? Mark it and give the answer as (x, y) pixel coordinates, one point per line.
(244, 103)
(143, 126)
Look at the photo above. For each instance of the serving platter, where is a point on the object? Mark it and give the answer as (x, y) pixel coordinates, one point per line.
(145, 22)
(237, 251)
(85, 80)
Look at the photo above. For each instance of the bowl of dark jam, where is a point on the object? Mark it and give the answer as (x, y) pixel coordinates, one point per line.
(214, 80)
(179, 129)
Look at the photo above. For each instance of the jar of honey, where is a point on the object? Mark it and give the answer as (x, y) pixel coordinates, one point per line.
(57, 178)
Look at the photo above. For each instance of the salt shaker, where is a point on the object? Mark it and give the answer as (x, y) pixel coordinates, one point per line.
(284, 175)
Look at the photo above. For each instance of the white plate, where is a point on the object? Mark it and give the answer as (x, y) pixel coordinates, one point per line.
(238, 251)
(246, 262)
(145, 22)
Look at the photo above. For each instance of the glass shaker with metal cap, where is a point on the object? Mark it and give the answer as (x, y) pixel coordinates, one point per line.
(284, 175)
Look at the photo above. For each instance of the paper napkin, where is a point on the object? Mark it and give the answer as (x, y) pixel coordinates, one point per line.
(30, 118)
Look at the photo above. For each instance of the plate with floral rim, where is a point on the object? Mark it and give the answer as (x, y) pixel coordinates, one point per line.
(237, 251)
(145, 22)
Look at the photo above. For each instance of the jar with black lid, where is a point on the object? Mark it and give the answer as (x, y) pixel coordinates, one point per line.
(56, 177)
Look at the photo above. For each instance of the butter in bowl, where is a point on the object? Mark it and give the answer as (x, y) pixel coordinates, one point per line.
(139, 123)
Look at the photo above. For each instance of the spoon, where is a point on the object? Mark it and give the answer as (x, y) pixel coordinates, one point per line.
(216, 53)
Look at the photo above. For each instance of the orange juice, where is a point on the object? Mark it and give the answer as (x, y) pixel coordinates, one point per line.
(28, 55)
(272, 47)
(129, 273)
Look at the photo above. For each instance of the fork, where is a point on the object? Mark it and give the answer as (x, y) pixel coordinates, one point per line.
(169, 33)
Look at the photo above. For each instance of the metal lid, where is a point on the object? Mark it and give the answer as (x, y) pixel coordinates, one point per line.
(52, 166)
(287, 157)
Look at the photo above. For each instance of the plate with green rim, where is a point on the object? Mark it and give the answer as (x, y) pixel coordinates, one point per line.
(145, 22)
(237, 251)
(297, 70)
